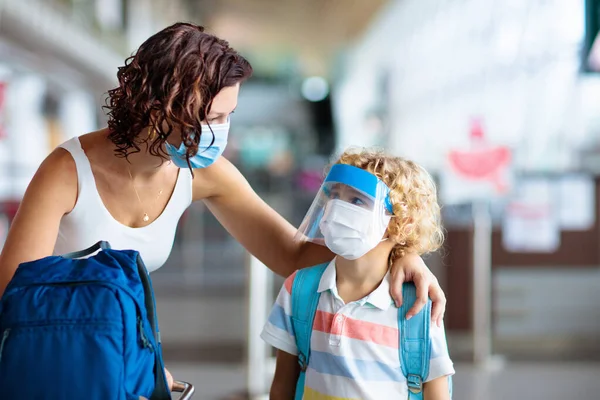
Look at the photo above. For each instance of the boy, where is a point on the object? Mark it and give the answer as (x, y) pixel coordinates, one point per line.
(372, 209)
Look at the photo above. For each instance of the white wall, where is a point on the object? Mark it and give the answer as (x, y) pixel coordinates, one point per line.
(512, 62)
(77, 112)
(26, 142)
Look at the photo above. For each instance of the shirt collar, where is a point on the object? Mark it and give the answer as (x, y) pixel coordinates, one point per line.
(328, 279)
(379, 298)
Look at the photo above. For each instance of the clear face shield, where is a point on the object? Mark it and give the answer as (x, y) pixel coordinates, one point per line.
(350, 213)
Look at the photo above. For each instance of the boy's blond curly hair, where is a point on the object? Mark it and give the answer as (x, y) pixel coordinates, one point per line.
(416, 224)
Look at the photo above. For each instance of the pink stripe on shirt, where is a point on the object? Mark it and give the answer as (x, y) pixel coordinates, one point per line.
(289, 282)
(357, 329)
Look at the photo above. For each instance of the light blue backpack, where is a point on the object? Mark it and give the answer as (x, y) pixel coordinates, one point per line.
(414, 346)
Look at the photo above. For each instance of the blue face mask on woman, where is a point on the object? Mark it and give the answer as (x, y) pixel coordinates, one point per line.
(207, 152)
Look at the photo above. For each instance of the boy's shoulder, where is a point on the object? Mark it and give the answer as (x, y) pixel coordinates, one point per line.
(309, 274)
(289, 282)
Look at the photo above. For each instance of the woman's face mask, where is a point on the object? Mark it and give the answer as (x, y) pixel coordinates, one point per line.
(207, 153)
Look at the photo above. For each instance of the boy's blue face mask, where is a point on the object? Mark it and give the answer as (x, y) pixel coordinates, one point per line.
(207, 153)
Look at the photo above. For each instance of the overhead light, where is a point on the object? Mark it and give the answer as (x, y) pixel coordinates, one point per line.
(315, 88)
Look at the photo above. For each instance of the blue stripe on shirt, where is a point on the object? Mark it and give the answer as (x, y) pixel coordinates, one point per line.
(279, 319)
(330, 364)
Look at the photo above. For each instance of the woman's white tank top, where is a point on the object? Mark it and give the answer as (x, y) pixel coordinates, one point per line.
(90, 221)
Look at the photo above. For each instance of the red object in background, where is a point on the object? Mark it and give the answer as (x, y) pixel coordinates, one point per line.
(310, 181)
(2, 94)
(481, 162)
(9, 208)
(476, 129)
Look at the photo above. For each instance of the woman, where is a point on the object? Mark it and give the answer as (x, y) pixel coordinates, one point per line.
(129, 183)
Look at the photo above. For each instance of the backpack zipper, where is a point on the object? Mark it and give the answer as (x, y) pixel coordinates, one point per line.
(4, 337)
(143, 337)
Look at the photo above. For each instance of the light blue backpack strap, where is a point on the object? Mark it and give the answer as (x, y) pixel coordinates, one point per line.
(414, 346)
(305, 299)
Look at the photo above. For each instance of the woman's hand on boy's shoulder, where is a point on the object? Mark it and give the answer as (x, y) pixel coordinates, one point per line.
(411, 268)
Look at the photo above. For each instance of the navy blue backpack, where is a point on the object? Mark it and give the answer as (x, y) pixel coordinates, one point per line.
(413, 350)
(74, 328)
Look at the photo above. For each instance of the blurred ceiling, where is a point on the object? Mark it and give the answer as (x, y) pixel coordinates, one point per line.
(302, 35)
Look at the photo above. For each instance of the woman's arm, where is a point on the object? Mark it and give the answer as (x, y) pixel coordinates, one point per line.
(436, 389)
(411, 268)
(51, 193)
(259, 228)
(270, 238)
(287, 371)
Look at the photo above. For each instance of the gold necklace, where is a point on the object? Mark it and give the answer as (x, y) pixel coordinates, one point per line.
(145, 218)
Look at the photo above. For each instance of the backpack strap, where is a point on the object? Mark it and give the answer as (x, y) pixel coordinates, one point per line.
(89, 251)
(414, 344)
(305, 299)
(161, 391)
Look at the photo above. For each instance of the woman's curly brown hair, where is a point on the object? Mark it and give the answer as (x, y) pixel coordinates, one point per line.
(168, 84)
(416, 222)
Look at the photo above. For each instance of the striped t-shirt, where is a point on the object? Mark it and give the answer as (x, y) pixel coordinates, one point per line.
(354, 346)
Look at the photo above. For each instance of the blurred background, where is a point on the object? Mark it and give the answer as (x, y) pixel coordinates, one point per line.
(498, 99)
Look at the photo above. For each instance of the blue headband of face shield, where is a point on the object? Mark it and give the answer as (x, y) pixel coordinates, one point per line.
(359, 179)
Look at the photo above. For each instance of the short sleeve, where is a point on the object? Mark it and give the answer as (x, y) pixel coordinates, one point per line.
(278, 331)
(440, 363)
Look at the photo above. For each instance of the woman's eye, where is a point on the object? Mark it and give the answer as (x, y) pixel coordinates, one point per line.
(334, 195)
(214, 120)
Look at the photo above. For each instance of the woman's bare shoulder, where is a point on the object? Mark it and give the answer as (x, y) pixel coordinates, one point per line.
(51, 193)
(57, 175)
(222, 177)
